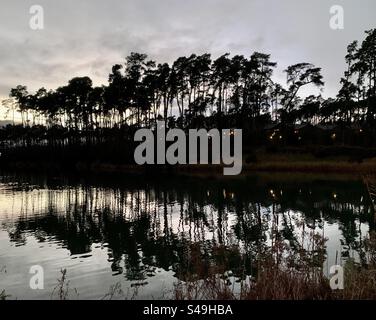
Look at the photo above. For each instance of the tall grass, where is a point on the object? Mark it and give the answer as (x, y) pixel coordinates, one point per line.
(62, 289)
(286, 274)
(3, 295)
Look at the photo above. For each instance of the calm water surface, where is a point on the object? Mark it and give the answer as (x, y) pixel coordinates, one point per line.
(147, 234)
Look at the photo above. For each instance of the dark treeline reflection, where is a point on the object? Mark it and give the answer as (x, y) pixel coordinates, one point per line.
(173, 223)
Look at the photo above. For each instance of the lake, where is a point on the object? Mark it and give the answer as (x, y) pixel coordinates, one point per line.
(140, 236)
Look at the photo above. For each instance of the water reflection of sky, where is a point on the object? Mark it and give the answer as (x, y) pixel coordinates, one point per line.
(141, 236)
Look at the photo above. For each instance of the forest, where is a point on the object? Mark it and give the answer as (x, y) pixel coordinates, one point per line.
(200, 91)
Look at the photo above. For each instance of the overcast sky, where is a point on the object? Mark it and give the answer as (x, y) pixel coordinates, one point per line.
(86, 37)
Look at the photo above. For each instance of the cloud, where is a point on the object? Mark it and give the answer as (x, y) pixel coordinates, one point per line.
(87, 37)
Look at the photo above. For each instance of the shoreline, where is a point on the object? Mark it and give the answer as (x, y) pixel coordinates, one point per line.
(215, 171)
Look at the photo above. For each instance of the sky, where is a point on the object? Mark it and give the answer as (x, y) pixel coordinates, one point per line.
(87, 37)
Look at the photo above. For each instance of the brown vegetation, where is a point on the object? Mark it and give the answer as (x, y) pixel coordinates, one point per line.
(285, 274)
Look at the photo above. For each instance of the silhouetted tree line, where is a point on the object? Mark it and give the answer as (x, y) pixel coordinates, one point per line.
(195, 91)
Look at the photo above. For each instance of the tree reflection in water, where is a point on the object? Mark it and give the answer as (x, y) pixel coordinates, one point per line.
(184, 225)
